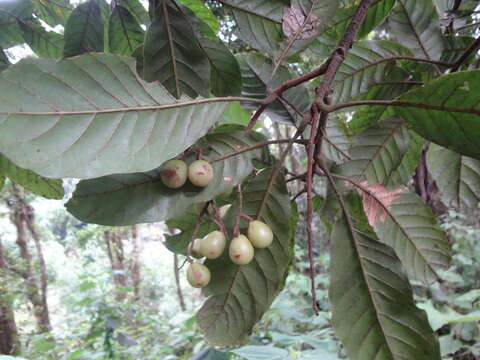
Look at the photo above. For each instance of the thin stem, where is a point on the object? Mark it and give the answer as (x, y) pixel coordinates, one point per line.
(236, 228)
(309, 186)
(253, 147)
(471, 49)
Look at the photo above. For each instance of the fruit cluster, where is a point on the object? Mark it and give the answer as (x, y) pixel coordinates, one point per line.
(174, 173)
(241, 250)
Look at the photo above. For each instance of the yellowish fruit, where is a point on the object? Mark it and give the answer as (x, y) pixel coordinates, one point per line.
(259, 234)
(174, 174)
(195, 249)
(198, 275)
(241, 250)
(200, 173)
(212, 245)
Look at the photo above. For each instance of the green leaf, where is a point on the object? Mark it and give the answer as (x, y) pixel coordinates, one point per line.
(44, 43)
(125, 33)
(53, 12)
(78, 117)
(2, 181)
(455, 46)
(137, 198)
(366, 64)
(451, 113)
(457, 176)
(38, 185)
(336, 144)
(256, 75)
(210, 354)
(373, 311)
(12, 12)
(4, 62)
(406, 168)
(402, 221)
(136, 8)
(416, 26)
(238, 296)
(375, 16)
(172, 56)
(262, 352)
(84, 30)
(259, 22)
(203, 13)
(186, 223)
(367, 115)
(377, 152)
(236, 114)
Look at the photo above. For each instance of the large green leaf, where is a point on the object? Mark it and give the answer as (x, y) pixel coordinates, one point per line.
(376, 14)
(4, 62)
(336, 145)
(53, 12)
(451, 113)
(415, 25)
(38, 185)
(137, 198)
(457, 176)
(203, 13)
(378, 152)
(172, 55)
(256, 76)
(402, 221)
(80, 116)
(136, 8)
(373, 311)
(84, 30)
(404, 171)
(366, 64)
(44, 43)
(125, 33)
(259, 22)
(186, 222)
(12, 12)
(238, 296)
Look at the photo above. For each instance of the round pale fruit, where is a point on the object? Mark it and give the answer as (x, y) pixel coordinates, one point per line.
(223, 210)
(198, 275)
(174, 174)
(225, 194)
(213, 244)
(200, 173)
(195, 249)
(241, 250)
(259, 234)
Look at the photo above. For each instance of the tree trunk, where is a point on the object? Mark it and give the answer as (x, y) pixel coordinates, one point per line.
(113, 240)
(9, 344)
(136, 263)
(31, 285)
(177, 283)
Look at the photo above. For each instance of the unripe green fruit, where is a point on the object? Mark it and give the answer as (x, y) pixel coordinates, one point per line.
(195, 249)
(174, 174)
(212, 245)
(225, 194)
(223, 210)
(198, 275)
(241, 250)
(200, 173)
(259, 234)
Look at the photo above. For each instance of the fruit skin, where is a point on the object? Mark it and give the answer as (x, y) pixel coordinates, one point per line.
(195, 249)
(241, 250)
(212, 245)
(200, 173)
(259, 234)
(174, 174)
(198, 275)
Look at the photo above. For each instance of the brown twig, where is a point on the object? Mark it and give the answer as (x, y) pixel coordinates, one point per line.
(236, 228)
(471, 49)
